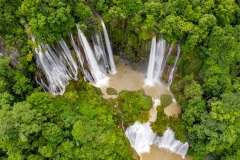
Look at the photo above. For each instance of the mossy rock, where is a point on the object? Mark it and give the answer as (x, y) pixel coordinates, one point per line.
(135, 155)
(175, 123)
(165, 100)
(111, 91)
(134, 106)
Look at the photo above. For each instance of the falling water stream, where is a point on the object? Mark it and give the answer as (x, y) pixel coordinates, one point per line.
(170, 79)
(98, 75)
(166, 59)
(58, 65)
(151, 64)
(58, 68)
(141, 136)
(109, 49)
(159, 55)
(100, 52)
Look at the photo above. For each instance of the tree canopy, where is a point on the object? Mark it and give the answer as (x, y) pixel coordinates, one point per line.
(207, 83)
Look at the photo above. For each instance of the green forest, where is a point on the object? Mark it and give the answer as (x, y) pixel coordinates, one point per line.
(81, 124)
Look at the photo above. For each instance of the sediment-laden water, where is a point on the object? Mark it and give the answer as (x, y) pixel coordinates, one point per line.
(128, 79)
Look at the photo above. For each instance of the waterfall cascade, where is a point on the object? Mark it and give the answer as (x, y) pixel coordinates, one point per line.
(58, 65)
(158, 60)
(58, 68)
(77, 51)
(170, 79)
(70, 63)
(100, 52)
(109, 49)
(151, 63)
(99, 77)
(169, 142)
(166, 59)
(155, 61)
(141, 137)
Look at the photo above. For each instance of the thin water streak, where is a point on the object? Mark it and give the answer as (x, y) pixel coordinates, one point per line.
(170, 79)
(109, 48)
(99, 77)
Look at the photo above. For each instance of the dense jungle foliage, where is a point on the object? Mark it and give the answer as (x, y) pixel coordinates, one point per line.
(82, 125)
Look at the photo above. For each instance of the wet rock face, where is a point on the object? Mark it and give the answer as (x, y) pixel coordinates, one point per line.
(12, 54)
(3, 51)
(166, 72)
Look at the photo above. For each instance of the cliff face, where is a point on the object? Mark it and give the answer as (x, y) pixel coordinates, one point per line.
(2, 47)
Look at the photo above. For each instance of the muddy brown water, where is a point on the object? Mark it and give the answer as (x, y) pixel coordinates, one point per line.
(157, 153)
(128, 79)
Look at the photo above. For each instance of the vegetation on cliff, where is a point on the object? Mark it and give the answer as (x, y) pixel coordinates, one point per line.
(207, 85)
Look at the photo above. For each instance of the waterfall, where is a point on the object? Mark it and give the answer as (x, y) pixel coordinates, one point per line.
(57, 74)
(13, 55)
(155, 67)
(100, 52)
(166, 59)
(157, 61)
(169, 142)
(174, 66)
(71, 64)
(109, 49)
(77, 51)
(58, 65)
(161, 47)
(141, 137)
(151, 62)
(86, 75)
(99, 78)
